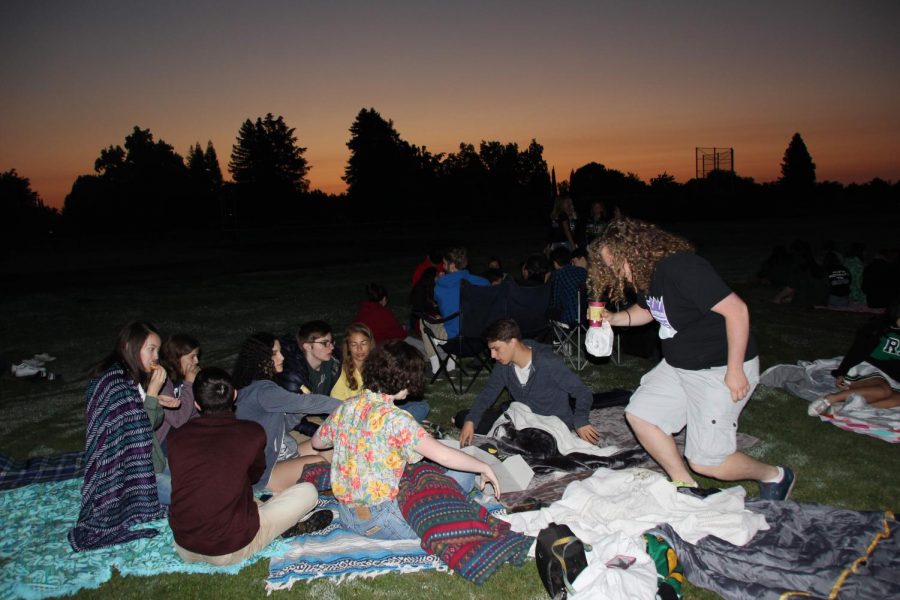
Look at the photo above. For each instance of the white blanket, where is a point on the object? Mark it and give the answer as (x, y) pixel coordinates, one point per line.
(611, 509)
(567, 442)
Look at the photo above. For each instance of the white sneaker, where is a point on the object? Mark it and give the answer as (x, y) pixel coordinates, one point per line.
(23, 370)
(451, 365)
(817, 407)
(33, 362)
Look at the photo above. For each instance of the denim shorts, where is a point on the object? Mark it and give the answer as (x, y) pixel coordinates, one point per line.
(385, 522)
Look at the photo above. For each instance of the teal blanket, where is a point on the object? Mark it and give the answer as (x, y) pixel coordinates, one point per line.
(37, 561)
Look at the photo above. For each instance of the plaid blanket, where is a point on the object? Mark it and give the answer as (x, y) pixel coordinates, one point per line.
(18, 473)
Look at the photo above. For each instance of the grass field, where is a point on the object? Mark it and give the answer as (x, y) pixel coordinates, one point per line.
(78, 323)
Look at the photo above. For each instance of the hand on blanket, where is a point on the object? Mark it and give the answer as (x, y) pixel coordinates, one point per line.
(466, 434)
(487, 476)
(588, 433)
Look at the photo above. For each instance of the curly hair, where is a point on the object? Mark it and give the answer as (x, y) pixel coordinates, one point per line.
(347, 358)
(176, 346)
(639, 243)
(254, 360)
(395, 366)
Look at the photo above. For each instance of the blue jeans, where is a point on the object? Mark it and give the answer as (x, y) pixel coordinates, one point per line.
(385, 523)
(419, 409)
(465, 479)
(164, 486)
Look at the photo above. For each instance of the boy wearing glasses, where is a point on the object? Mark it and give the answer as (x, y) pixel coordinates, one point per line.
(310, 365)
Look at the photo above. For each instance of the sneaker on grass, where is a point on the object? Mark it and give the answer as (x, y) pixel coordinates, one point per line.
(817, 407)
(317, 521)
(778, 490)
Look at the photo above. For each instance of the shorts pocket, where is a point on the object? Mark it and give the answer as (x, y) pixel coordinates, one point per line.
(715, 440)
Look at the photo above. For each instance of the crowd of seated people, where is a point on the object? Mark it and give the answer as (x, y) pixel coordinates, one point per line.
(221, 451)
(839, 279)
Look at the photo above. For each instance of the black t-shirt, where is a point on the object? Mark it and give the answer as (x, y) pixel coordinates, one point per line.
(839, 282)
(683, 289)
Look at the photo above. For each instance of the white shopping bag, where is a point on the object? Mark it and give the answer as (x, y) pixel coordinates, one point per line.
(599, 340)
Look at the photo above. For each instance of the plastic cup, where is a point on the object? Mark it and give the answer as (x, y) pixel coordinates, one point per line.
(595, 313)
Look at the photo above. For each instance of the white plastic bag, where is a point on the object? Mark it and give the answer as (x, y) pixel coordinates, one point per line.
(599, 340)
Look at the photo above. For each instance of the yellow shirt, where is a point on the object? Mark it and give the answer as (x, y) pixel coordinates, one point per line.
(341, 389)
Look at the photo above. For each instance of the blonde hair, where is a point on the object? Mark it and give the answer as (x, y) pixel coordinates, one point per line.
(639, 243)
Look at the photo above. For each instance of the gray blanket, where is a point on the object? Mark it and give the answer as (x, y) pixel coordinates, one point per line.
(806, 551)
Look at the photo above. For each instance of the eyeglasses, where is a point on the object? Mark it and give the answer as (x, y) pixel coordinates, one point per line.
(325, 343)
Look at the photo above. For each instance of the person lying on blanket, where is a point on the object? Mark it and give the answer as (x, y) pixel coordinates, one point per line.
(534, 376)
(871, 367)
(373, 440)
(215, 460)
(710, 363)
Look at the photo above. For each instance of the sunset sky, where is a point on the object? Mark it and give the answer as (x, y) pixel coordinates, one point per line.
(633, 85)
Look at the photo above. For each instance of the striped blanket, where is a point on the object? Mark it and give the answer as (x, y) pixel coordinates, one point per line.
(478, 549)
(119, 484)
(342, 555)
(467, 539)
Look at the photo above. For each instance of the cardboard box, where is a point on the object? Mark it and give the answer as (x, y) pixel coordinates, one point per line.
(513, 474)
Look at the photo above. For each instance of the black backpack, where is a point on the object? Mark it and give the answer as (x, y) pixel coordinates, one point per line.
(560, 558)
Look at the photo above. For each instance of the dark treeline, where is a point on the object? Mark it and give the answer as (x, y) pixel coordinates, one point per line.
(392, 180)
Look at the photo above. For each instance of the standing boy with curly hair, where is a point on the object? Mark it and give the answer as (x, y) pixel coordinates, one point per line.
(711, 363)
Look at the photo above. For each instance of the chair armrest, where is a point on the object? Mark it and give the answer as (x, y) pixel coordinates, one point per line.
(435, 320)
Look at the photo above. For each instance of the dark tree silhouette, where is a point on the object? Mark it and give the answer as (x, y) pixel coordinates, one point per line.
(384, 173)
(22, 212)
(267, 158)
(204, 166)
(144, 178)
(798, 171)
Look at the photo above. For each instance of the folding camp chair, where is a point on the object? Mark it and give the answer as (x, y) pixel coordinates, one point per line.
(568, 338)
(479, 306)
(529, 307)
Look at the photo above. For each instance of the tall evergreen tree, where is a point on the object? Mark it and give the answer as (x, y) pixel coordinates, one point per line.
(383, 167)
(798, 171)
(267, 158)
(204, 166)
(211, 164)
